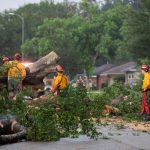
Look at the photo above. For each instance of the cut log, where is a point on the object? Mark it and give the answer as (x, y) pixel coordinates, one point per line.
(110, 110)
(39, 69)
(11, 131)
(20, 133)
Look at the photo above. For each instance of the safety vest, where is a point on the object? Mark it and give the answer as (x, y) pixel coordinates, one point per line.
(146, 82)
(16, 70)
(60, 82)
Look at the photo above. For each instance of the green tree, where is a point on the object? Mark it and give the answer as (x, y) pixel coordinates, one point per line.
(80, 40)
(58, 35)
(102, 31)
(34, 15)
(136, 31)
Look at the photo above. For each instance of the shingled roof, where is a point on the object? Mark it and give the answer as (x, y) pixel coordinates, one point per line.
(121, 69)
(101, 69)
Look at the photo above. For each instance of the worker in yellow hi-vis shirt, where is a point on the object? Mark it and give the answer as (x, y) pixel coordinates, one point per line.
(60, 82)
(145, 90)
(16, 74)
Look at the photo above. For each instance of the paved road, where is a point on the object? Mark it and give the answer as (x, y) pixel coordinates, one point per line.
(112, 139)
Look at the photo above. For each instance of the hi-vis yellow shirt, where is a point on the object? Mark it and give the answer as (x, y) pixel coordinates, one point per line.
(60, 82)
(16, 70)
(146, 81)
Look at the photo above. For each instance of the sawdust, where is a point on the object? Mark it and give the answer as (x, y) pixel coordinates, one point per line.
(135, 125)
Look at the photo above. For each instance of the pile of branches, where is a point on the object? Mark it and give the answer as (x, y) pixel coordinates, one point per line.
(67, 115)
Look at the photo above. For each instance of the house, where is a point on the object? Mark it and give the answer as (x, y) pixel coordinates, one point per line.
(96, 75)
(106, 75)
(132, 76)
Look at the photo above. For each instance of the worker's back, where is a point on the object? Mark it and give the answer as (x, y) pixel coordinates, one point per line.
(16, 70)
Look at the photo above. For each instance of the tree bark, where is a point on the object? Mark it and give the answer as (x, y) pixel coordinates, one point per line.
(20, 132)
(39, 69)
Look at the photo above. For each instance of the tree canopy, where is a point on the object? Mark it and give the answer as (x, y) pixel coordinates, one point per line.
(136, 30)
(83, 35)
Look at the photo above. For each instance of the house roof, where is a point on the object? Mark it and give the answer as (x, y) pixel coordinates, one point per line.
(121, 69)
(101, 69)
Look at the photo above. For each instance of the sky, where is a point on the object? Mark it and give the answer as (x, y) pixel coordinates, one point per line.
(14, 4)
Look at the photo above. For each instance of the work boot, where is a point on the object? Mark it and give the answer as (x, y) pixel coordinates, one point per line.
(140, 114)
(146, 117)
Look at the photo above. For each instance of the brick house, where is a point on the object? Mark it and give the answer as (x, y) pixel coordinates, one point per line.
(105, 75)
(97, 73)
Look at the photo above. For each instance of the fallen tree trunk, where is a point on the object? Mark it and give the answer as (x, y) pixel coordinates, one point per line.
(11, 131)
(20, 133)
(39, 69)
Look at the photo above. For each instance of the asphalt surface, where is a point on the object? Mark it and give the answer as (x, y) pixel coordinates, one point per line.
(112, 138)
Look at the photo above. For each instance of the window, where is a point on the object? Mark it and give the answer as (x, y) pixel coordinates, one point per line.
(130, 76)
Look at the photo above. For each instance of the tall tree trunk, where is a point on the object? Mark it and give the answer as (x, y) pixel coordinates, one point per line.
(94, 58)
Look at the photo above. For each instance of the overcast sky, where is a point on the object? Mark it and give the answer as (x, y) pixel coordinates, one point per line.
(14, 4)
